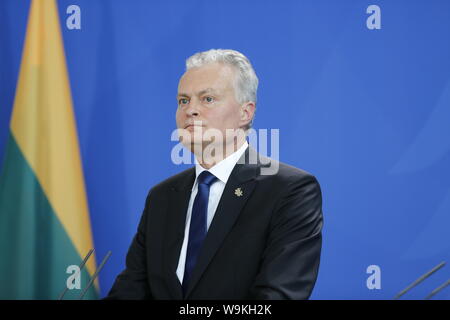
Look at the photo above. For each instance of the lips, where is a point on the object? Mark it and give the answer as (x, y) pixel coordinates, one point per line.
(192, 126)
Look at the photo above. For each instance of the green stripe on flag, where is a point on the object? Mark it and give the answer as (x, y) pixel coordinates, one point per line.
(35, 250)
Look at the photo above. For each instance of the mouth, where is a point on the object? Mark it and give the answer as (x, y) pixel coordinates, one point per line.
(193, 126)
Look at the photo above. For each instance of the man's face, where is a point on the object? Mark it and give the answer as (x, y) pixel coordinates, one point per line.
(207, 100)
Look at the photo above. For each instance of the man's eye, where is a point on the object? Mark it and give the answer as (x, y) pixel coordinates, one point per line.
(208, 99)
(183, 101)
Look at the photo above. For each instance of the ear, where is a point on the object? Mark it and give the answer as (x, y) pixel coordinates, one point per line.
(247, 112)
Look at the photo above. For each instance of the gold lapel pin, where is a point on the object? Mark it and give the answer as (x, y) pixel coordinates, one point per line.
(238, 192)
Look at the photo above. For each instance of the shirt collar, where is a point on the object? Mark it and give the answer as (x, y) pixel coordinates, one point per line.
(222, 170)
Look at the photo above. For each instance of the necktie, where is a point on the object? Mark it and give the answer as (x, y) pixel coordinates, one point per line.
(197, 229)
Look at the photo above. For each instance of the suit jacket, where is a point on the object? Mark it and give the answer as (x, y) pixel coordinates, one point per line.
(263, 244)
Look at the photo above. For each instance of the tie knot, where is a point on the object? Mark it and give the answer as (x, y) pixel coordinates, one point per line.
(206, 177)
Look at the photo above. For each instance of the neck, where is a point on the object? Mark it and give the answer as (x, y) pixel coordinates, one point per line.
(209, 159)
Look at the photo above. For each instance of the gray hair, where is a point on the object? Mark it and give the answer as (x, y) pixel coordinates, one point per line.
(246, 85)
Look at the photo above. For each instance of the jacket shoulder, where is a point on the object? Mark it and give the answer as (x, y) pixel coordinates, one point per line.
(283, 173)
(178, 180)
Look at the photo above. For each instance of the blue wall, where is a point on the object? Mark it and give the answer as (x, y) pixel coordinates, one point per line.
(366, 111)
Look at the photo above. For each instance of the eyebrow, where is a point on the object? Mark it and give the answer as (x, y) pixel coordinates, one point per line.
(207, 90)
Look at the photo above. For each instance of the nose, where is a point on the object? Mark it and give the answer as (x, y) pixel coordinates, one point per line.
(192, 109)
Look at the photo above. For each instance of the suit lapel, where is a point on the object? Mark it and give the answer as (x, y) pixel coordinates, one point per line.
(174, 233)
(228, 210)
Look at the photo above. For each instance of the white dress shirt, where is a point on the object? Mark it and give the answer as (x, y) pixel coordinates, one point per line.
(222, 171)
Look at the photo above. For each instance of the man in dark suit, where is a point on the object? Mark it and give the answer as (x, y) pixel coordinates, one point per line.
(231, 227)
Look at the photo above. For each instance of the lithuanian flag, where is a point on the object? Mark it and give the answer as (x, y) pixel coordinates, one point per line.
(44, 217)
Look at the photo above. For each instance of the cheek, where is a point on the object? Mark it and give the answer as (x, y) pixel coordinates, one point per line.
(231, 116)
(219, 119)
(178, 116)
(216, 118)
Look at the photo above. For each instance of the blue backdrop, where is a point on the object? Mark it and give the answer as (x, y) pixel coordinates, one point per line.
(366, 111)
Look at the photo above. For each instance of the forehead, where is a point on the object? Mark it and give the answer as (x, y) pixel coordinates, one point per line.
(217, 76)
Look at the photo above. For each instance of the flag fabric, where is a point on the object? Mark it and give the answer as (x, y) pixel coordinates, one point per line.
(44, 217)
